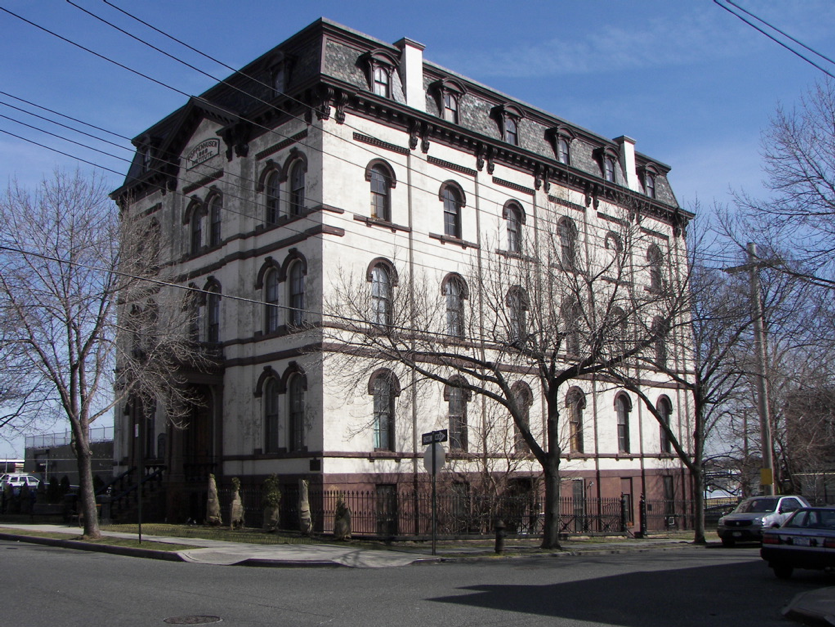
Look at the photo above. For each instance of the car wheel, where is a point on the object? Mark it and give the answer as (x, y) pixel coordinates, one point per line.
(728, 542)
(782, 571)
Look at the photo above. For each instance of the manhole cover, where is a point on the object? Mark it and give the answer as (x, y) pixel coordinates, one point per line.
(192, 620)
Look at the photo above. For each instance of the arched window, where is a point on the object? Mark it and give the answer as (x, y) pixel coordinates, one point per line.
(295, 294)
(272, 195)
(195, 228)
(523, 398)
(451, 107)
(609, 169)
(213, 314)
(655, 261)
(568, 243)
(452, 211)
(384, 388)
(457, 397)
(296, 413)
(665, 411)
(511, 131)
(382, 81)
(575, 403)
(515, 218)
(563, 154)
(622, 408)
(571, 315)
(271, 315)
(297, 180)
(271, 417)
(517, 306)
(614, 246)
(455, 292)
(380, 193)
(381, 296)
(659, 330)
(649, 184)
(215, 220)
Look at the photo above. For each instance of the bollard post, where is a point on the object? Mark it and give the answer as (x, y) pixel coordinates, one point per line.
(500, 535)
(643, 516)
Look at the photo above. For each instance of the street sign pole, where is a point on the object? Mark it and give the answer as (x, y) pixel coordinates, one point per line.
(434, 499)
(432, 461)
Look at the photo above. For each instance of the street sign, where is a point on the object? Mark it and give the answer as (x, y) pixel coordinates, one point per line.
(434, 462)
(442, 435)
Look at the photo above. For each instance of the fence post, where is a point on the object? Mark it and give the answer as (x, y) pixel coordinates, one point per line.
(623, 520)
(643, 507)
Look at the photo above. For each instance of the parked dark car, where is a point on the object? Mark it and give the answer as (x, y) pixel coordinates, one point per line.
(747, 522)
(806, 540)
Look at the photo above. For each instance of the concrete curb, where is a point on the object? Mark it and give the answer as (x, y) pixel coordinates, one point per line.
(814, 607)
(170, 556)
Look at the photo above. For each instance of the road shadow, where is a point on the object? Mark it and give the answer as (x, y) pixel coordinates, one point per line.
(732, 594)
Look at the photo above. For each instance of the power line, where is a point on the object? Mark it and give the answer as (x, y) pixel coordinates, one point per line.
(774, 39)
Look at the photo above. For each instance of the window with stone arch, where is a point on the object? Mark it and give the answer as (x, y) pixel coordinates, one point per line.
(517, 309)
(575, 403)
(213, 294)
(655, 263)
(457, 396)
(623, 407)
(383, 278)
(381, 178)
(455, 291)
(571, 314)
(567, 233)
(514, 216)
(215, 220)
(660, 329)
(271, 400)
(194, 220)
(295, 294)
(614, 247)
(272, 197)
(665, 411)
(296, 386)
(452, 196)
(295, 171)
(523, 398)
(271, 307)
(384, 388)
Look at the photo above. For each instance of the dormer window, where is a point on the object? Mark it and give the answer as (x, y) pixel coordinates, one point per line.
(380, 66)
(563, 156)
(648, 174)
(508, 117)
(382, 82)
(448, 94)
(607, 159)
(560, 138)
(280, 74)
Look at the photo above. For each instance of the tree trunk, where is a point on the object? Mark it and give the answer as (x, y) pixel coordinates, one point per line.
(86, 494)
(551, 526)
(699, 505)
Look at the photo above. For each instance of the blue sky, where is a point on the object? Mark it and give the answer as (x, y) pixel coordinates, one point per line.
(693, 85)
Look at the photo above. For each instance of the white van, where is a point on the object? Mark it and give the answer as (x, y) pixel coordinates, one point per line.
(18, 480)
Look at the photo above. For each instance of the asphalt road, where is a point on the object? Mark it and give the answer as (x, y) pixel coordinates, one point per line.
(692, 586)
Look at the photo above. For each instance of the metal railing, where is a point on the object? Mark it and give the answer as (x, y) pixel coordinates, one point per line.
(51, 440)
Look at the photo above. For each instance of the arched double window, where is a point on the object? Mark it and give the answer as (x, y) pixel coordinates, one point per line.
(271, 307)
(575, 403)
(295, 294)
(297, 188)
(296, 388)
(385, 388)
(623, 406)
(194, 220)
(455, 293)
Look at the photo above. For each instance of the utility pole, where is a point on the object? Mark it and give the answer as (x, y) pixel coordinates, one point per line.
(760, 348)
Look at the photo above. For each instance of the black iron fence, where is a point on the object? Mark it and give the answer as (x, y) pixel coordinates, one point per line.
(400, 514)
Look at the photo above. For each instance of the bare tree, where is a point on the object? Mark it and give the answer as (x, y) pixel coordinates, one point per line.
(66, 260)
(563, 310)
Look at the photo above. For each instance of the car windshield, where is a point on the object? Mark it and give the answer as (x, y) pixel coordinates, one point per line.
(759, 506)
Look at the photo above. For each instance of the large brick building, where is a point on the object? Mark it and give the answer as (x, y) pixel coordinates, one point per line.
(337, 158)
